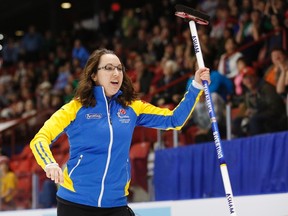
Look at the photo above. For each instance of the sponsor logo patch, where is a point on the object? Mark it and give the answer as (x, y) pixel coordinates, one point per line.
(123, 118)
(94, 116)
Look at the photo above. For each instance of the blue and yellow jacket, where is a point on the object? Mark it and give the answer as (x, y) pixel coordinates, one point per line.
(98, 170)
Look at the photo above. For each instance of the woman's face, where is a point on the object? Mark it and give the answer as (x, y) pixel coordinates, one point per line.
(277, 57)
(109, 74)
(229, 45)
(240, 65)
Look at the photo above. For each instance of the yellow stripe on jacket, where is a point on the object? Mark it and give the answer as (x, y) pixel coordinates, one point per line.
(51, 130)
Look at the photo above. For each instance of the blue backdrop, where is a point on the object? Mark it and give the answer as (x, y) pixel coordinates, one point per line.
(256, 165)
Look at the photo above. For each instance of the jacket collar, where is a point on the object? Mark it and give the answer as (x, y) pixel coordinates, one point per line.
(99, 93)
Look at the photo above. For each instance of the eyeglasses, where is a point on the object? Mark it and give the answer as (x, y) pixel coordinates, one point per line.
(110, 67)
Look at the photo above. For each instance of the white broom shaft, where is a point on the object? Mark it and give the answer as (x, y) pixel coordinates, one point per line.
(223, 166)
(228, 189)
(196, 44)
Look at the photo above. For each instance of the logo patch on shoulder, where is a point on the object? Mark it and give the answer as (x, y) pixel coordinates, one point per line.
(93, 116)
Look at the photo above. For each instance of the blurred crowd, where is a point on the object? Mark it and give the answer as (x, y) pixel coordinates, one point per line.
(40, 70)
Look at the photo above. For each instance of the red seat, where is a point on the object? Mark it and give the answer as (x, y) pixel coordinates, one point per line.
(190, 134)
(138, 155)
(61, 145)
(140, 150)
(25, 153)
(138, 135)
(167, 137)
(35, 167)
(14, 164)
(24, 166)
(143, 134)
(24, 182)
(23, 196)
(150, 135)
(61, 158)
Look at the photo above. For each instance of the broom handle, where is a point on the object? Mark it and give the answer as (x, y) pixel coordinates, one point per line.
(215, 130)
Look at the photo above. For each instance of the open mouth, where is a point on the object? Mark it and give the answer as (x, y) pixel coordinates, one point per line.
(114, 82)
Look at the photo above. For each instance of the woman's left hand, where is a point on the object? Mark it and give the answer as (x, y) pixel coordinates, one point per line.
(202, 74)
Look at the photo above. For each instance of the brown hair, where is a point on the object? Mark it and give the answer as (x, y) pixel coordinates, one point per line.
(84, 91)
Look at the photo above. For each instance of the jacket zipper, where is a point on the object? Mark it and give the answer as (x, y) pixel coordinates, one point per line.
(78, 162)
(109, 152)
(109, 108)
(127, 171)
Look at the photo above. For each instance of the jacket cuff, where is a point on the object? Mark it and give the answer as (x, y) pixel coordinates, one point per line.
(197, 85)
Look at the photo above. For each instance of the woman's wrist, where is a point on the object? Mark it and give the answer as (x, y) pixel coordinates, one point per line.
(51, 164)
(197, 85)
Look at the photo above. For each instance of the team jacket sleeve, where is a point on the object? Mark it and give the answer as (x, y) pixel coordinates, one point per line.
(51, 129)
(163, 118)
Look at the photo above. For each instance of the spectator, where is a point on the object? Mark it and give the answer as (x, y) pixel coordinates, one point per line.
(141, 41)
(164, 41)
(227, 64)
(209, 6)
(219, 49)
(68, 93)
(243, 67)
(8, 185)
(234, 9)
(275, 7)
(246, 5)
(10, 53)
(20, 72)
(245, 28)
(31, 45)
(276, 40)
(206, 48)
(30, 110)
(49, 43)
(13, 111)
(278, 59)
(63, 78)
(250, 30)
(143, 78)
(56, 101)
(220, 23)
(282, 82)
(180, 54)
(4, 102)
(156, 42)
(80, 52)
(221, 85)
(172, 94)
(150, 56)
(129, 22)
(263, 109)
(5, 77)
(202, 120)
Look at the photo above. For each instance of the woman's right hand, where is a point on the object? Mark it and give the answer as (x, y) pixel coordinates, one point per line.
(54, 172)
